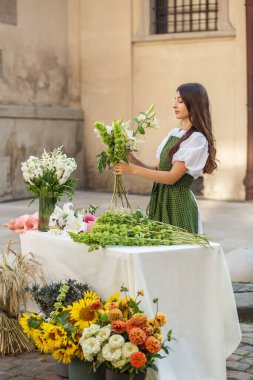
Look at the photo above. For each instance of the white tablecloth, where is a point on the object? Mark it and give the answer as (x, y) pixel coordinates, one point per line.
(192, 283)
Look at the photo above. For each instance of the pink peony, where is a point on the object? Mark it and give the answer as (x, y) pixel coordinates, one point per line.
(24, 223)
(89, 218)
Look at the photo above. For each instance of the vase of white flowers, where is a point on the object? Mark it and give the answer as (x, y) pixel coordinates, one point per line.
(46, 208)
(48, 179)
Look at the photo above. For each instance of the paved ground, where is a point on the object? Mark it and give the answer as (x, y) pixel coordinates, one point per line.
(229, 223)
(34, 366)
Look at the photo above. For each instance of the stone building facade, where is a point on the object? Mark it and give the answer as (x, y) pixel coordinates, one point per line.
(67, 63)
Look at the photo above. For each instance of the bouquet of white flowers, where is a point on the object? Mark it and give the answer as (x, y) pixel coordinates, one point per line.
(48, 178)
(68, 220)
(121, 140)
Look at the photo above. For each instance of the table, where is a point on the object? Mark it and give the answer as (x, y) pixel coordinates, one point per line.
(192, 283)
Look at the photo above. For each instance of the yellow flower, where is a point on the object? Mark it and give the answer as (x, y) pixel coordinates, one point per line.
(158, 336)
(161, 319)
(114, 298)
(55, 336)
(39, 341)
(65, 354)
(80, 312)
(24, 322)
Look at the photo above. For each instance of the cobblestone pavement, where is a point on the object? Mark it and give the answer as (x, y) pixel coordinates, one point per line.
(34, 366)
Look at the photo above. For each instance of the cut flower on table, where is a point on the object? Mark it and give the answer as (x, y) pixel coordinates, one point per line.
(68, 220)
(24, 223)
(122, 227)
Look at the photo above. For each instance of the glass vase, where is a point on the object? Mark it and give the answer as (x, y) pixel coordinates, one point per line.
(46, 208)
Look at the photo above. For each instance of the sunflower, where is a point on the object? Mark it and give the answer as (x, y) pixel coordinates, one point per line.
(39, 341)
(65, 354)
(55, 336)
(26, 323)
(80, 312)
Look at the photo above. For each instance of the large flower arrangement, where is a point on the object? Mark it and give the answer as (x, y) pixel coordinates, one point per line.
(48, 178)
(121, 140)
(59, 334)
(124, 338)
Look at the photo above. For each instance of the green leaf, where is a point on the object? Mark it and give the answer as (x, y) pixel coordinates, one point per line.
(141, 130)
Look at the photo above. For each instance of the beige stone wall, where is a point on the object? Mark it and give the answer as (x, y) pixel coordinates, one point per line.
(123, 73)
(34, 54)
(39, 87)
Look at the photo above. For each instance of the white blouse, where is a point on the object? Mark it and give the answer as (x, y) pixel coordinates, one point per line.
(193, 151)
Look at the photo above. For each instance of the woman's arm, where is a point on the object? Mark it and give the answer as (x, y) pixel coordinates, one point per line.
(134, 160)
(168, 178)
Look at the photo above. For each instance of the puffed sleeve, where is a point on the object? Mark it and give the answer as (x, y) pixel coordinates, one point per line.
(194, 153)
(161, 146)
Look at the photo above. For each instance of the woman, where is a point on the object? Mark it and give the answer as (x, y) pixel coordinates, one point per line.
(182, 156)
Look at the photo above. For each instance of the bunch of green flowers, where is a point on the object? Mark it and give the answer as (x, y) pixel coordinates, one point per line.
(121, 140)
(123, 228)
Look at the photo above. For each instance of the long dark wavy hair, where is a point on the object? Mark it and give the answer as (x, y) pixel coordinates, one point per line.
(196, 100)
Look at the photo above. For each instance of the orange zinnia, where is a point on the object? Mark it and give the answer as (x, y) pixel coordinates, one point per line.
(153, 345)
(138, 359)
(137, 335)
(118, 326)
(138, 320)
(114, 314)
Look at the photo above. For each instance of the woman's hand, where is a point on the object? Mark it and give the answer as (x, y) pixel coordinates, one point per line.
(122, 168)
(131, 157)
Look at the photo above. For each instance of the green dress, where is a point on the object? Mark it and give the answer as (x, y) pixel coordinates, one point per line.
(174, 204)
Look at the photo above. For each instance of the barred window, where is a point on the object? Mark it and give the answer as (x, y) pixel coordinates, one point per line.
(181, 16)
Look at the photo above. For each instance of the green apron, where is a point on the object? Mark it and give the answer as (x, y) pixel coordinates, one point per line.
(174, 204)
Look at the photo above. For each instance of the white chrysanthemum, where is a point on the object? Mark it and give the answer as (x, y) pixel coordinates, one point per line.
(116, 341)
(128, 349)
(111, 354)
(103, 334)
(90, 346)
(119, 363)
(89, 331)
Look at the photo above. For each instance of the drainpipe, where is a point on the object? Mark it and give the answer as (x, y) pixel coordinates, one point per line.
(248, 180)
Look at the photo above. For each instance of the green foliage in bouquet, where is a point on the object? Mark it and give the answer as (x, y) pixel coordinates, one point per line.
(121, 227)
(46, 296)
(121, 140)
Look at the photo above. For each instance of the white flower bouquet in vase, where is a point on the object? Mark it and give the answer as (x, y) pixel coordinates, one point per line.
(48, 179)
(122, 140)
